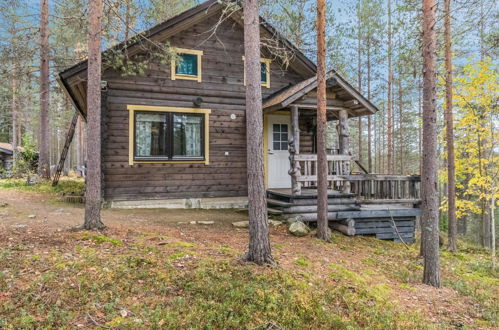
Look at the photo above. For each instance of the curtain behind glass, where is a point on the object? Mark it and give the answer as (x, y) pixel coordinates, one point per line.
(150, 134)
(187, 131)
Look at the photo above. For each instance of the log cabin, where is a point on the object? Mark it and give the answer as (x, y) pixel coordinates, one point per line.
(6, 153)
(175, 135)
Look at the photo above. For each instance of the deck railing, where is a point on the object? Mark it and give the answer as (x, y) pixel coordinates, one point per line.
(366, 186)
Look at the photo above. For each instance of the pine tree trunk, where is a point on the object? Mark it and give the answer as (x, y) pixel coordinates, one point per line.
(93, 193)
(430, 236)
(14, 117)
(493, 230)
(401, 126)
(259, 250)
(359, 77)
(369, 124)
(449, 127)
(323, 231)
(389, 94)
(44, 142)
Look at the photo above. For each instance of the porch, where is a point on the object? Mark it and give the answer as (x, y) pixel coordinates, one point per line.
(385, 205)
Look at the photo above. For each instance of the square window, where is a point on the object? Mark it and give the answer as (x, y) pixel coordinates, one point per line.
(263, 73)
(187, 64)
(277, 145)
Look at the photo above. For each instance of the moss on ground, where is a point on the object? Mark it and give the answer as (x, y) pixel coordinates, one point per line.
(66, 186)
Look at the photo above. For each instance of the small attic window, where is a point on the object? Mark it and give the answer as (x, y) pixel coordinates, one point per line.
(264, 72)
(187, 64)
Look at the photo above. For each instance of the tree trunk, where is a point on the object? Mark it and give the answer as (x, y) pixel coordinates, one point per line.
(449, 127)
(323, 231)
(430, 236)
(401, 125)
(420, 127)
(369, 124)
(389, 94)
(93, 191)
(14, 102)
(259, 250)
(493, 231)
(44, 142)
(359, 76)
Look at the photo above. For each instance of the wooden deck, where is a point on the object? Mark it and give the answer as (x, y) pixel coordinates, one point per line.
(350, 213)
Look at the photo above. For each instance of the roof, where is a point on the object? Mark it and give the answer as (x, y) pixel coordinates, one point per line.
(7, 148)
(180, 21)
(356, 104)
(190, 17)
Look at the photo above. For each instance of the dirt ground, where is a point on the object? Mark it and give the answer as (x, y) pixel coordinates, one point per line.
(38, 221)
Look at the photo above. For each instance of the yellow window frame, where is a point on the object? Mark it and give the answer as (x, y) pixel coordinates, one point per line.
(198, 53)
(267, 62)
(131, 126)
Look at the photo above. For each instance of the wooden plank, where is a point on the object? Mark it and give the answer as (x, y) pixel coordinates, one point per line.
(382, 230)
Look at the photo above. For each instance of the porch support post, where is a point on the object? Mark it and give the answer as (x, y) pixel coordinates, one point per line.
(295, 124)
(294, 149)
(344, 144)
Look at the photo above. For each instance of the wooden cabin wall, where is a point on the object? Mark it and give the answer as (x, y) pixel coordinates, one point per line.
(223, 92)
(306, 135)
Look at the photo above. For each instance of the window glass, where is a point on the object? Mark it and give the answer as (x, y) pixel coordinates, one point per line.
(150, 134)
(187, 135)
(169, 135)
(280, 136)
(187, 64)
(263, 68)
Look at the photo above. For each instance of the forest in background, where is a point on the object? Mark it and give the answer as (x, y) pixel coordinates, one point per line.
(375, 45)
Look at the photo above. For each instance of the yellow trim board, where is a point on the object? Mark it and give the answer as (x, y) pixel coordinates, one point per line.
(198, 53)
(131, 110)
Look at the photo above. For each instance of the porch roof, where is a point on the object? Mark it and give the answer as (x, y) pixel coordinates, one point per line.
(340, 96)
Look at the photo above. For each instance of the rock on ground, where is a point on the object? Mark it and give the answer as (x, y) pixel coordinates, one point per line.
(275, 223)
(241, 224)
(206, 222)
(299, 229)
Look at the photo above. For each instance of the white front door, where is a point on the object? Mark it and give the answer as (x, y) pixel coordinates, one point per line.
(278, 155)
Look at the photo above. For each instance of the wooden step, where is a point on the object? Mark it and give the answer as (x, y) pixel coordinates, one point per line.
(279, 203)
(274, 211)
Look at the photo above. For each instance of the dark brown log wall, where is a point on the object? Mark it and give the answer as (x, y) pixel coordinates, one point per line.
(223, 92)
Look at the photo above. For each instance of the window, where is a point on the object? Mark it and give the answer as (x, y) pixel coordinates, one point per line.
(264, 73)
(187, 64)
(280, 136)
(163, 134)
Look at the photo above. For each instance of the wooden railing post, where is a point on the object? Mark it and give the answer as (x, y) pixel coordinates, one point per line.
(294, 149)
(294, 168)
(344, 145)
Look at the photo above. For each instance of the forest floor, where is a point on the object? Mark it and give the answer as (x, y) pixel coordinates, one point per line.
(153, 269)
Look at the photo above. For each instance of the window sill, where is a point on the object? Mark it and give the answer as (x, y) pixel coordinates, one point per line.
(171, 161)
(179, 76)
